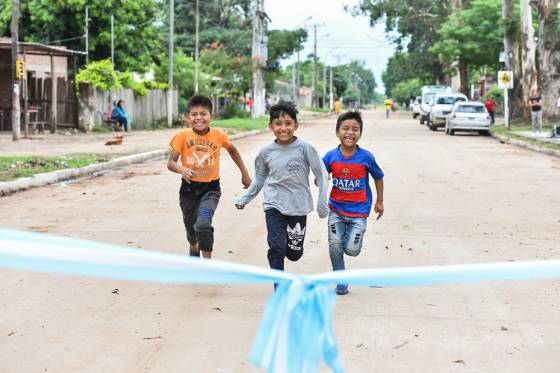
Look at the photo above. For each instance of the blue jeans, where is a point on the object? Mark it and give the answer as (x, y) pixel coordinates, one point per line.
(346, 236)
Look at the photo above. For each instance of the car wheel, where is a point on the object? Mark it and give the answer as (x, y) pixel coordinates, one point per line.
(451, 132)
(421, 120)
(414, 116)
(484, 133)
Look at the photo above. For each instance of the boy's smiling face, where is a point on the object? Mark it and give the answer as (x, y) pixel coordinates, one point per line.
(349, 133)
(283, 128)
(200, 118)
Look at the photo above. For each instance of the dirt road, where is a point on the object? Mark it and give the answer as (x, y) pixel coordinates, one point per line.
(461, 199)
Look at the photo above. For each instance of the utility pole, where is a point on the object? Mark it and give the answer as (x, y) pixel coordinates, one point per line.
(325, 84)
(113, 39)
(196, 46)
(170, 71)
(16, 130)
(294, 87)
(87, 34)
(331, 103)
(314, 72)
(259, 56)
(298, 83)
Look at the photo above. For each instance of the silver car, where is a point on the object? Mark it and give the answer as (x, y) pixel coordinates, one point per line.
(416, 107)
(468, 116)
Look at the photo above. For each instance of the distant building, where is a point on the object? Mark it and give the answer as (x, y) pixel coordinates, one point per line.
(42, 61)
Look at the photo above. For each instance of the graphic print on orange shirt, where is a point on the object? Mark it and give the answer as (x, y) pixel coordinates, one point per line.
(201, 153)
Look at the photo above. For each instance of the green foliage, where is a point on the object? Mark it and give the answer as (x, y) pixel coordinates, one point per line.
(137, 42)
(233, 110)
(16, 167)
(101, 129)
(407, 90)
(497, 94)
(411, 24)
(101, 74)
(472, 35)
(401, 67)
(242, 123)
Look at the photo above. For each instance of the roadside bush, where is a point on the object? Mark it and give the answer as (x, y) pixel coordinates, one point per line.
(101, 74)
(233, 110)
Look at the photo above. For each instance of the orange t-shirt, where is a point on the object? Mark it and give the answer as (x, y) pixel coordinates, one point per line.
(201, 153)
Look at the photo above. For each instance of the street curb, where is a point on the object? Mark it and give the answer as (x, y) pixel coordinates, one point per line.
(53, 177)
(525, 145)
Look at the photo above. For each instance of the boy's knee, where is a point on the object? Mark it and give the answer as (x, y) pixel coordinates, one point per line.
(294, 255)
(353, 250)
(203, 225)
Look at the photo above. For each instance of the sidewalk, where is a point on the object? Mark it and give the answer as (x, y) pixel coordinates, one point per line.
(61, 144)
(542, 142)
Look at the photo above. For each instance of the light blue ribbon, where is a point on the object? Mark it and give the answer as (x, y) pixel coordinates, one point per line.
(296, 333)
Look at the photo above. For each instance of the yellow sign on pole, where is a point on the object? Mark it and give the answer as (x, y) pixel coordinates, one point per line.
(505, 79)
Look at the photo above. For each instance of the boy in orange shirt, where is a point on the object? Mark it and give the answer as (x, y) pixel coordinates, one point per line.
(199, 149)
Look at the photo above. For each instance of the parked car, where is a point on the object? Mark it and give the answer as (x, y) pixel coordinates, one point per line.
(416, 107)
(428, 93)
(441, 108)
(469, 116)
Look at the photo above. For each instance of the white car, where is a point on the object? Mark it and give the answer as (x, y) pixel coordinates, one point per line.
(469, 116)
(416, 107)
(441, 108)
(428, 93)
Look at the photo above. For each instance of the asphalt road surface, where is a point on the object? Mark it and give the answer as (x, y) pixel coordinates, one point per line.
(448, 200)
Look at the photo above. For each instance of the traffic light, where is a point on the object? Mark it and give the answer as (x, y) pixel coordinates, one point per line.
(21, 69)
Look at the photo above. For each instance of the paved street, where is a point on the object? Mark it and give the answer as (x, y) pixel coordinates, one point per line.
(449, 200)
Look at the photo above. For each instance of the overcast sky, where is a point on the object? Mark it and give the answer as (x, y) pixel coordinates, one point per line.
(352, 37)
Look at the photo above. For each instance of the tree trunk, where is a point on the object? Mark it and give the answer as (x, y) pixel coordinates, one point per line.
(511, 50)
(464, 76)
(549, 52)
(528, 49)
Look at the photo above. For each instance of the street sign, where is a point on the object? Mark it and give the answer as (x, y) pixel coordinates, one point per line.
(505, 79)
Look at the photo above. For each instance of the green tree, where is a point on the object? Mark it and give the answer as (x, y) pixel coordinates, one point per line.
(412, 26)
(400, 68)
(471, 37)
(137, 42)
(407, 90)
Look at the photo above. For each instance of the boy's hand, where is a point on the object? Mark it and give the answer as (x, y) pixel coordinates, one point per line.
(379, 209)
(187, 173)
(246, 181)
(239, 207)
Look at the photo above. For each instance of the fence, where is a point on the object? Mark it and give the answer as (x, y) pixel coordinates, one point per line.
(143, 110)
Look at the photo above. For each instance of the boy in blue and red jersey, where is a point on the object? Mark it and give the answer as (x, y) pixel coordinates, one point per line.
(351, 198)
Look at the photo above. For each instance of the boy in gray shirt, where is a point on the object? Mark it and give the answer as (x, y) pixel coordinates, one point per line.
(282, 171)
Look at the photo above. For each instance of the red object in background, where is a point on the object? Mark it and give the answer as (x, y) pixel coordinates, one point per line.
(490, 104)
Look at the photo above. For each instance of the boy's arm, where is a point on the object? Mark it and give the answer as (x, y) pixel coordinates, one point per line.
(173, 166)
(261, 172)
(320, 172)
(236, 157)
(377, 174)
(379, 209)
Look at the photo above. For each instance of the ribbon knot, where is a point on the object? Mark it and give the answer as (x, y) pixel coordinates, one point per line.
(296, 333)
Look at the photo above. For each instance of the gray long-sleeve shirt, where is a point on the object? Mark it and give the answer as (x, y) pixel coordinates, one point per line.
(283, 172)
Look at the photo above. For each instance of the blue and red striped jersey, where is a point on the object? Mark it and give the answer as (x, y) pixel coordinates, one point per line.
(351, 193)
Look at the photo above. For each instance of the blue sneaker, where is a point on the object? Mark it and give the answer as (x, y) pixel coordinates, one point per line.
(341, 289)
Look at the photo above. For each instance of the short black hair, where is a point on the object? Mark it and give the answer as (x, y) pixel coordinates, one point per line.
(352, 114)
(283, 108)
(199, 100)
